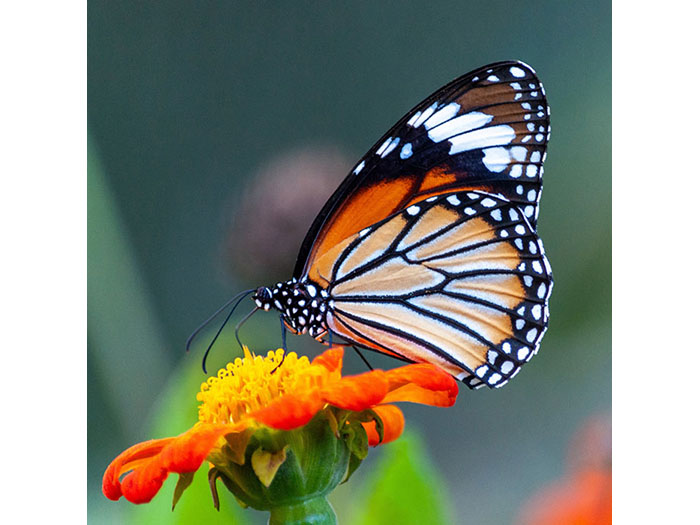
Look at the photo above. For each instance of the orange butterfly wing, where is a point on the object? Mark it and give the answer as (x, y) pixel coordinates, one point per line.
(460, 281)
(487, 130)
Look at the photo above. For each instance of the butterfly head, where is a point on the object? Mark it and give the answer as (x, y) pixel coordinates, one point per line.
(263, 298)
(303, 305)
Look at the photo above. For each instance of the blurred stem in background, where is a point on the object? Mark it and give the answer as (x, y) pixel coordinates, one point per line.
(123, 332)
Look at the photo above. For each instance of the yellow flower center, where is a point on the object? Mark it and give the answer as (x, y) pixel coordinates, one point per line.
(249, 384)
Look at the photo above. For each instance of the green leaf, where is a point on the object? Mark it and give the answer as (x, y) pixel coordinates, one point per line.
(183, 482)
(404, 488)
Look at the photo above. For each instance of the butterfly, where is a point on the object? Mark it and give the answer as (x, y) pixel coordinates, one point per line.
(428, 250)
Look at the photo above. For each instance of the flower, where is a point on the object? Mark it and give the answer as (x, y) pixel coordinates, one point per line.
(584, 498)
(279, 429)
(584, 495)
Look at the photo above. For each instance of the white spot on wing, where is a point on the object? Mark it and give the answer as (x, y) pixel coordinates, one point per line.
(542, 291)
(537, 312)
(425, 115)
(413, 210)
(519, 153)
(482, 138)
(457, 125)
(517, 72)
(391, 147)
(496, 159)
(531, 335)
(444, 114)
(495, 378)
(359, 167)
(406, 151)
(507, 366)
(414, 118)
(384, 145)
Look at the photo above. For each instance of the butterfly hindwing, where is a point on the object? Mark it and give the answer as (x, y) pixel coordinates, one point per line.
(459, 280)
(487, 130)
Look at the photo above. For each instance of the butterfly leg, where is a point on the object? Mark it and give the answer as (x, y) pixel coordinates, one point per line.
(357, 350)
(284, 344)
(241, 323)
(284, 334)
(364, 359)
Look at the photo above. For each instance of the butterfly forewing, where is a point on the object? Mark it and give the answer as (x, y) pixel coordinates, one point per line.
(459, 280)
(487, 130)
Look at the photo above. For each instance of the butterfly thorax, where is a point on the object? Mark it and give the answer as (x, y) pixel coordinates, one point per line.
(303, 305)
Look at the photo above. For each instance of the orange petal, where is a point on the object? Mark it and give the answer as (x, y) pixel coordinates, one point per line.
(393, 420)
(152, 461)
(289, 411)
(357, 392)
(128, 460)
(421, 383)
(332, 359)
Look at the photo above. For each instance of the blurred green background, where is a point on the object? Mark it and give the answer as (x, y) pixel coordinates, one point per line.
(193, 106)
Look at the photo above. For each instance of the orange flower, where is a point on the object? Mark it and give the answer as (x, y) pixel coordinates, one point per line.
(255, 396)
(584, 495)
(585, 498)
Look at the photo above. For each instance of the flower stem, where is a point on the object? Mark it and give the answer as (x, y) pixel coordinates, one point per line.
(315, 511)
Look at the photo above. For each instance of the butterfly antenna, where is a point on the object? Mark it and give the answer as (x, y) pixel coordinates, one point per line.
(242, 322)
(204, 359)
(213, 316)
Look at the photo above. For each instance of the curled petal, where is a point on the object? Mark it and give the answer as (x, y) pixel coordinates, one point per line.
(152, 461)
(128, 460)
(421, 383)
(393, 420)
(357, 392)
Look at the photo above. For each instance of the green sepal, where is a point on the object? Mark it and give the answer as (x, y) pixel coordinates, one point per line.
(356, 438)
(353, 463)
(370, 415)
(236, 445)
(213, 474)
(332, 419)
(183, 481)
(266, 464)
